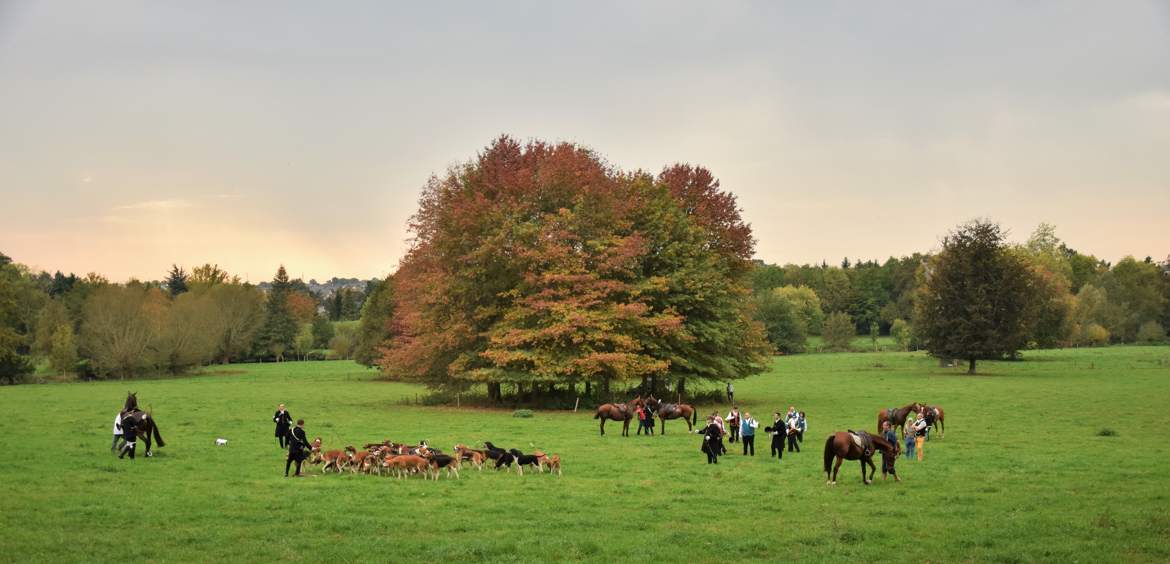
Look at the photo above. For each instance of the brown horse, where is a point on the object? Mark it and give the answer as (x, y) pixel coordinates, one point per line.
(842, 446)
(618, 412)
(934, 417)
(666, 411)
(897, 417)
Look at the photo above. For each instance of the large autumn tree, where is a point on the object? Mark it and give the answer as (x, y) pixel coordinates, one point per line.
(974, 303)
(540, 265)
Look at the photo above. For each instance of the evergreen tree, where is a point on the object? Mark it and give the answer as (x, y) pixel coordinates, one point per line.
(280, 326)
(374, 327)
(176, 281)
(975, 298)
(322, 332)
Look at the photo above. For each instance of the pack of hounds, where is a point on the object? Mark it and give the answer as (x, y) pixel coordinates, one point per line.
(389, 458)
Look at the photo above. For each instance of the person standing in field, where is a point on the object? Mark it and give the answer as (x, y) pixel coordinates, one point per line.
(801, 427)
(649, 419)
(920, 427)
(298, 443)
(130, 435)
(283, 421)
(747, 433)
(722, 431)
(793, 429)
(117, 432)
(733, 422)
(712, 441)
(644, 421)
(730, 393)
(908, 434)
(889, 458)
(778, 430)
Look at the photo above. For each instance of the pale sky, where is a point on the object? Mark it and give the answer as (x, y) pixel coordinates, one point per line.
(134, 135)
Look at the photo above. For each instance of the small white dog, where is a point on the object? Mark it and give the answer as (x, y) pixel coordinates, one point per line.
(220, 442)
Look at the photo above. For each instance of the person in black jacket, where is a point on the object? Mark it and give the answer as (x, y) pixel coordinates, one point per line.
(712, 441)
(130, 435)
(283, 421)
(298, 445)
(778, 430)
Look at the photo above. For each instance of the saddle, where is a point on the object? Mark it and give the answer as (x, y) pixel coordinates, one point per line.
(863, 441)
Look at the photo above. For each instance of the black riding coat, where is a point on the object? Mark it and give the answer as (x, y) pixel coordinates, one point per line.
(298, 443)
(712, 438)
(283, 423)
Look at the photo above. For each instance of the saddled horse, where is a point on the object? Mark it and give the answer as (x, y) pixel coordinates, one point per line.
(848, 446)
(141, 421)
(618, 412)
(934, 417)
(897, 416)
(666, 411)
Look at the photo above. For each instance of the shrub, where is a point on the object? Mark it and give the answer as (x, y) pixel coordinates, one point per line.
(839, 331)
(522, 413)
(1094, 335)
(1106, 432)
(902, 334)
(1151, 332)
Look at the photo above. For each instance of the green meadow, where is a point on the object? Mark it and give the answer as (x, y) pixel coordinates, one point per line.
(1024, 473)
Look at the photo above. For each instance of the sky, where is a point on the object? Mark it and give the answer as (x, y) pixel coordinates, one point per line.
(135, 135)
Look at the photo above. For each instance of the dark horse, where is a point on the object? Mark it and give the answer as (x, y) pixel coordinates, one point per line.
(844, 446)
(934, 417)
(673, 411)
(897, 417)
(618, 412)
(141, 421)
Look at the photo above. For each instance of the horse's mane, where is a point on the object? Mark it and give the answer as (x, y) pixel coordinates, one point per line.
(131, 402)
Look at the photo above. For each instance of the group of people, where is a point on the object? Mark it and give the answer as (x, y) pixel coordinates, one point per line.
(742, 428)
(291, 438)
(914, 433)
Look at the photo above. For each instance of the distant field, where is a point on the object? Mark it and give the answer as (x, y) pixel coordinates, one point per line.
(1021, 475)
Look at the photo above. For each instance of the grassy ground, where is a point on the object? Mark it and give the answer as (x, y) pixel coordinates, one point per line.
(1021, 475)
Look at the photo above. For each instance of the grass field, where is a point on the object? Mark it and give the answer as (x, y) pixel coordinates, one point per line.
(1021, 475)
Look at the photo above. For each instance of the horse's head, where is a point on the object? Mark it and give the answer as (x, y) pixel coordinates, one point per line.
(652, 403)
(131, 402)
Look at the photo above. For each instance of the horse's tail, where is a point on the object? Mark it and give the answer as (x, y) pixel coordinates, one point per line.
(694, 416)
(157, 437)
(597, 414)
(828, 453)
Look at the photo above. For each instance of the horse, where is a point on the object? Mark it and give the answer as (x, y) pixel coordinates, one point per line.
(842, 446)
(897, 417)
(666, 411)
(934, 415)
(618, 412)
(141, 421)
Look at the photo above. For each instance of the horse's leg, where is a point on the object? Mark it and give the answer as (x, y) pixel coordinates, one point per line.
(863, 480)
(603, 425)
(836, 467)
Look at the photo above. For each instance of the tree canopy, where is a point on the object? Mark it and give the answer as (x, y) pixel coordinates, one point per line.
(974, 302)
(541, 264)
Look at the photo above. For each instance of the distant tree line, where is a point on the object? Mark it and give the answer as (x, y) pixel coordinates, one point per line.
(93, 328)
(1063, 297)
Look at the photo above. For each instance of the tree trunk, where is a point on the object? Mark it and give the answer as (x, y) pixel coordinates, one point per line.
(494, 391)
(971, 366)
(588, 389)
(605, 388)
(682, 388)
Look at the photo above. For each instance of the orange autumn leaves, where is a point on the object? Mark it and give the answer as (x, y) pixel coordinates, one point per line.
(542, 263)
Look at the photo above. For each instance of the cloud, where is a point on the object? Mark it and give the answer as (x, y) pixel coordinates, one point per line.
(229, 196)
(1154, 100)
(157, 205)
